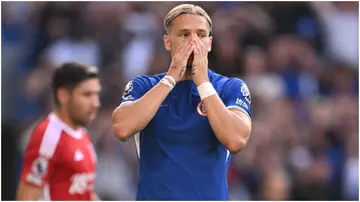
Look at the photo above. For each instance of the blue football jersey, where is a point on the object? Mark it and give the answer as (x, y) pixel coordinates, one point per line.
(180, 157)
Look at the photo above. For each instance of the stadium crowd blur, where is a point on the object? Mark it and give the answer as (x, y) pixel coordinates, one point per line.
(300, 61)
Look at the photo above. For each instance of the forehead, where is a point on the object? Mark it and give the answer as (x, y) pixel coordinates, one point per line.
(89, 85)
(190, 22)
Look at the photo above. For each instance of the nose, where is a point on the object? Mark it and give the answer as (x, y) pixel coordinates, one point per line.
(96, 101)
(193, 36)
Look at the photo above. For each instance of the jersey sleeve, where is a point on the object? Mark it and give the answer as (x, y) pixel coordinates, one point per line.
(37, 164)
(237, 95)
(134, 90)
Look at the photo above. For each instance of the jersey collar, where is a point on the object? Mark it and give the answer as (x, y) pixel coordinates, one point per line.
(179, 88)
(77, 134)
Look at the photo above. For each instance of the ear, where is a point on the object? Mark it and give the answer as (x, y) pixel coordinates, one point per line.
(210, 43)
(167, 42)
(63, 96)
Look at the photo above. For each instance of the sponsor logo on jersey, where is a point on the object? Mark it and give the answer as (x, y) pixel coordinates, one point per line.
(245, 92)
(242, 103)
(81, 183)
(201, 109)
(128, 97)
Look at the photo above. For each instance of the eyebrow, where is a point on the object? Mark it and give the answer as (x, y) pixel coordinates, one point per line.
(202, 31)
(188, 30)
(184, 30)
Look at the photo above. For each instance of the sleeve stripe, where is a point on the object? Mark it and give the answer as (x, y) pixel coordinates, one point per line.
(46, 193)
(50, 140)
(237, 107)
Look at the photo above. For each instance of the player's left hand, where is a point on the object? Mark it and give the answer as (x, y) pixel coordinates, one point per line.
(200, 63)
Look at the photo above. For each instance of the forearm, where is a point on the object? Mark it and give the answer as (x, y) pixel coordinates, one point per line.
(230, 129)
(131, 118)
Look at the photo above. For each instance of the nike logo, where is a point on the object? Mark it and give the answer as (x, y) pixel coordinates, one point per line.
(164, 105)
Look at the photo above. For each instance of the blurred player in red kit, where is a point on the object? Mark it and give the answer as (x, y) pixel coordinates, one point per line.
(60, 161)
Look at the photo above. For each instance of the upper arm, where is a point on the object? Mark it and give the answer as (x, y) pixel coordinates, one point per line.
(134, 90)
(28, 192)
(245, 118)
(236, 95)
(38, 162)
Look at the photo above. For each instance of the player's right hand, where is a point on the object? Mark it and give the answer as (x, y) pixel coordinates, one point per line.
(180, 58)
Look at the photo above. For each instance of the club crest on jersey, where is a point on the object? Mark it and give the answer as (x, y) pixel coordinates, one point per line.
(201, 109)
(245, 92)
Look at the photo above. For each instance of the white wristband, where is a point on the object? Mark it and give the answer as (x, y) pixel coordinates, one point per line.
(171, 78)
(167, 83)
(206, 89)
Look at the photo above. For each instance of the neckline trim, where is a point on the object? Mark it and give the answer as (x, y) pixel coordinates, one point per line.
(77, 134)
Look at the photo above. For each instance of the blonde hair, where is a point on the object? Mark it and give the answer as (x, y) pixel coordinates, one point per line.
(185, 9)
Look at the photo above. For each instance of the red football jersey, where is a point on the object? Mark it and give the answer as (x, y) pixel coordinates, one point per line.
(61, 160)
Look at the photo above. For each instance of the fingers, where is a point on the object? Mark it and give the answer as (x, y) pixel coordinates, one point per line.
(180, 47)
(196, 49)
(187, 49)
(201, 48)
(190, 50)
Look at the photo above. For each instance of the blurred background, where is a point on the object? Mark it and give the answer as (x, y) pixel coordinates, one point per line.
(300, 61)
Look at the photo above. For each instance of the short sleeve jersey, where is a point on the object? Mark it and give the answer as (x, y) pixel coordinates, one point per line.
(60, 160)
(180, 157)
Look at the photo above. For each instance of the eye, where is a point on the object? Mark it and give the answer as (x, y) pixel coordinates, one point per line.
(202, 35)
(87, 94)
